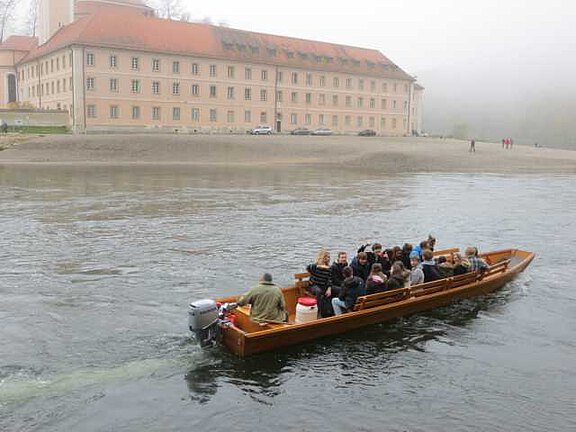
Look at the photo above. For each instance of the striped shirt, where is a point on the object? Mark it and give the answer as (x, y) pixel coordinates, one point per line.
(320, 276)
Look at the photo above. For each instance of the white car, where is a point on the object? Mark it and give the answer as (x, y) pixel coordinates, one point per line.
(262, 130)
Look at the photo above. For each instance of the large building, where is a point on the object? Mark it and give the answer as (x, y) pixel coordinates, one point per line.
(113, 65)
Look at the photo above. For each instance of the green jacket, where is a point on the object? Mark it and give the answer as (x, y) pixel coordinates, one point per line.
(266, 301)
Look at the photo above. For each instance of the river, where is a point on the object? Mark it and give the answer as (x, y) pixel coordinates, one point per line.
(98, 265)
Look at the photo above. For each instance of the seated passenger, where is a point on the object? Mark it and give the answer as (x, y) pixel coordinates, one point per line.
(361, 266)
(321, 281)
(397, 277)
(419, 249)
(431, 242)
(461, 265)
(351, 288)
(476, 263)
(336, 268)
(376, 281)
(377, 255)
(446, 268)
(406, 251)
(416, 275)
(429, 267)
(266, 301)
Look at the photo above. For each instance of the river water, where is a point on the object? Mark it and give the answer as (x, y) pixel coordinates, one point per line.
(98, 265)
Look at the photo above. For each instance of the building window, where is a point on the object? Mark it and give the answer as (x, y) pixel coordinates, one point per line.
(155, 87)
(113, 61)
(135, 112)
(114, 84)
(294, 118)
(348, 101)
(395, 88)
(279, 96)
(195, 69)
(371, 122)
(335, 100)
(176, 113)
(308, 119)
(348, 83)
(57, 66)
(372, 86)
(372, 103)
(248, 116)
(348, 120)
(360, 102)
(212, 91)
(383, 104)
(57, 88)
(176, 67)
(308, 79)
(114, 111)
(248, 74)
(322, 99)
(294, 78)
(383, 123)
(90, 60)
(384, 87)
(64, 85)
(393, 104)
(155, 65)
(393, 123)
(231, 72)
(405, 106)
(263, 95)
(334, 120)
(195, 114)
(247, 94)
(322, 81)
(263, 117)
(264, 75)
(294, 97)
(359, 121)
(175, 88)
(135, 86)
(90, 83)
(279, 76)
(213, 116)
(156, 113)
(212, 70)
(336, 82)
(361, 84)
(321, 119)
(195, 90)
(135, 63)
(230, 116)
(230, 93)
(91, 111)
(63, 63)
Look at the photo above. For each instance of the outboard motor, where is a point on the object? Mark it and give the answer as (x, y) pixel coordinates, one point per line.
(204, 321)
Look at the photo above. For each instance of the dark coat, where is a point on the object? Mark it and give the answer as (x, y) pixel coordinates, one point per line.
(337, 276)
(352, 287)
(431, 272)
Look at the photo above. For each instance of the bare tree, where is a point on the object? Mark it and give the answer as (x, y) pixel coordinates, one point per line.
(171, 9)
(31, 20)
(7, 9)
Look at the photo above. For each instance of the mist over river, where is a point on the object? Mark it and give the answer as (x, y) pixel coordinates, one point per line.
(98, 265)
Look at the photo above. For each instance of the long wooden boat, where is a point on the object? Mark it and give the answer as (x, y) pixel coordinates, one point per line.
(246, 337)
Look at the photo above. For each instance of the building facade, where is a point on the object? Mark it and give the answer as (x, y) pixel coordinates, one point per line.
(117, 67)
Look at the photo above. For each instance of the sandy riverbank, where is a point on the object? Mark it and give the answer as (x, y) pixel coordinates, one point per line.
(337, 152)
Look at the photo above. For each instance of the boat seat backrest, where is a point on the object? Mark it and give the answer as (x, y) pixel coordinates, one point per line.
(500, 267)
(429, 287)
(381, 298)
(302, 282)
(464, 279)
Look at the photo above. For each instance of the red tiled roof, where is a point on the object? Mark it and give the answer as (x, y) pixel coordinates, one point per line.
(19, 43)
(134, 31)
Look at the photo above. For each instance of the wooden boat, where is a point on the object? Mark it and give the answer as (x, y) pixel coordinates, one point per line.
(246, 337)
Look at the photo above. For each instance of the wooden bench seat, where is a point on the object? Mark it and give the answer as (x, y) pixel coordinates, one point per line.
(429, 287)
(497, 268)
(381, 298)
(464, 279)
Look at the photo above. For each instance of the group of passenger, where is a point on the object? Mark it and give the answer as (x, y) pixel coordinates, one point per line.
(337, 286)
(375, 269)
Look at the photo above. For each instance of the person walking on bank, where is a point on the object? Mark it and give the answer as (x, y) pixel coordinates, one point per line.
(266, 301)
(472, 146)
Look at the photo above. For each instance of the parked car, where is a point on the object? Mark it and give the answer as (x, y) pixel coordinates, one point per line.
(301, 131)
(322, 131)
(367, 132)
(262, 130)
